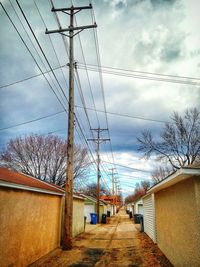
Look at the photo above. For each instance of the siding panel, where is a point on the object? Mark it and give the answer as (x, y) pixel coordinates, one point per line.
(149, 216)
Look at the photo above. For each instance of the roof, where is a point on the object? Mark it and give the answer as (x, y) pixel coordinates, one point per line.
(174, 178)
(78, 196)
(94, 199)
(9, 178)
(138, 201)
(89, 197)
(104, 202)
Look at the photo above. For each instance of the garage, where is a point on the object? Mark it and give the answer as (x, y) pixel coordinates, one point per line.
(88, 208)
(149, 216)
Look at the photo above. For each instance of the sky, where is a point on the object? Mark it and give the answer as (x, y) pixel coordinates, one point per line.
(132, 37)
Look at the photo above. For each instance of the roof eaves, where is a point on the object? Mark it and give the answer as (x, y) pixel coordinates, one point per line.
(29, 188)
(177, 176)
(43, 182)
(89, 197)
(79, 197)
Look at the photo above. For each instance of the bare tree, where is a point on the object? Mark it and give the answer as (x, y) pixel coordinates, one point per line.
(91, 190)
(179, 142)
(43, 157)
(159, 173)
(140, 190)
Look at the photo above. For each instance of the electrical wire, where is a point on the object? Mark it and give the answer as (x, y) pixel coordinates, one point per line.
(135, 169)
(31, 54)
(31, 121)
(145, 72)
(101, 78)
(142, 77)
(41, 49)
(36, 62)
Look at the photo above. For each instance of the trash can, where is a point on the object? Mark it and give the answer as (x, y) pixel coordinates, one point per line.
(93, 218)
(137, 218)
(130, 215)
(141, 223)
(103, 218)
(108, 213)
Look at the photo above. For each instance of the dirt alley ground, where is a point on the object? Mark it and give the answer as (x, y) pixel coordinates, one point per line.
(115, 244)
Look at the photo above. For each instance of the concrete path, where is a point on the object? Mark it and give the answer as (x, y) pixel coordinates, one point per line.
(115, 244)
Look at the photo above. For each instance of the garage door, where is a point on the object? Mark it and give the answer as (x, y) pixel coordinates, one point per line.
(140, 208)
(149, 216)
(87, 210)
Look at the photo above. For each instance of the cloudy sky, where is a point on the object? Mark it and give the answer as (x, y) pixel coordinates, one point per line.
(134, 37)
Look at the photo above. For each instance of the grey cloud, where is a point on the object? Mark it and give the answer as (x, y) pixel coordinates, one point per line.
(129, 3)
(160, 3)
(172, 49)
(170, 54)
(120, 5)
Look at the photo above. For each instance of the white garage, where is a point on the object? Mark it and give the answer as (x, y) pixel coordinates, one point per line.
(138, 207)
(149, 216)
(88, 208)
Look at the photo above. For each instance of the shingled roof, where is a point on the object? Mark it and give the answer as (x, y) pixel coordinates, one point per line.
(10, 178)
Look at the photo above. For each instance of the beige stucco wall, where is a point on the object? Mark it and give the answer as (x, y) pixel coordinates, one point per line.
(29, 226)
(78, 216)
(177, 222)
(197, 196)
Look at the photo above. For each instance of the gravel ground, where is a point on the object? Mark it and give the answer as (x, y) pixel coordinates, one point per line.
(115, 244)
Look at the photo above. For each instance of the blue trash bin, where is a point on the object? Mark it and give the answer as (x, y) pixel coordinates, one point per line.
(93, 218)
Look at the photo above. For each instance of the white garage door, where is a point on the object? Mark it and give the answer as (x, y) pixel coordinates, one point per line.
(149, 216)
(140, 208)
(87, 210)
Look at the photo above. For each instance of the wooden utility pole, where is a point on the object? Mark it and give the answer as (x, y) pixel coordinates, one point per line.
(113, 188)
(68, 220)
(98, 140)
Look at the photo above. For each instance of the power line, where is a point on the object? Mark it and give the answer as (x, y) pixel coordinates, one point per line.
(80, 66)
(125, 115)
(45, 77)
(135, 169)
(87, 74)
(127, 175)
(101, 77)
(34, 120)
(143, 72)
(51, 42)
(30, 77)
(47, 71)
(77, 78)
(31, 54)
(117, 72)
(59, 112)
(41, 49)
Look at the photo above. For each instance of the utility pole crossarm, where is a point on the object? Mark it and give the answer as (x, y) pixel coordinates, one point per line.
(71, 8)
(71, 29)
(100, 140)
(98, 129)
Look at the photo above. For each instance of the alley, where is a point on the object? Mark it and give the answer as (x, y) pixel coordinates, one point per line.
(117, 243)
